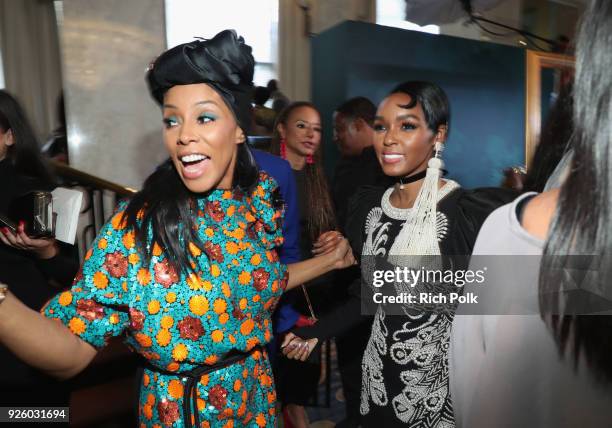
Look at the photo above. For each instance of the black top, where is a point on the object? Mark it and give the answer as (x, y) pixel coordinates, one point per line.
(404, 367)
(28, 279)
(466, 209)
(350, 174)
(319, 289)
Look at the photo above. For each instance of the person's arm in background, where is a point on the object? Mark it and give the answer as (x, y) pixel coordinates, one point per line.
(348, 313)
(285, 315)
(51, 257)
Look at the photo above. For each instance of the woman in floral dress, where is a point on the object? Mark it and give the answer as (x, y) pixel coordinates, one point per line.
(187, 270)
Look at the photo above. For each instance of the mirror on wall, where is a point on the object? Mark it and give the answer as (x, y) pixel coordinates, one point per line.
(547, 74)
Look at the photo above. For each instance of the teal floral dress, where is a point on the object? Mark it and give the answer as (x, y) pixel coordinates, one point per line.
(179, 321)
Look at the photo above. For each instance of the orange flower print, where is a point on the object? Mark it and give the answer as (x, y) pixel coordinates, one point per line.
(190, 328)
(175, 389)
(116, 264)
(165, 274)
(217, 336)
(247, 327)
(194, 282)
(194, 250)
(143, 340)
(163, 337)
(77, 326)
(231, 247)
(168, 412)
(143, 276)
(118, 221)
(147, 411)
(219, 306)
(100, 280)
(133, 259)
(198, 305)
(167, 321)
(102, 243)
(180, 351)
(244, 278)
(65, 298)
(153, 307)
(128, 240)
(157, 250)
(260, 420)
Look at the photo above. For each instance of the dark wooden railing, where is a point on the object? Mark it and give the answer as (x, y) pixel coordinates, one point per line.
(104, 394)
(100, 198)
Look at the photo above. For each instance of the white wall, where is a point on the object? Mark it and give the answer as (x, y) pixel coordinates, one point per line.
(114, 127)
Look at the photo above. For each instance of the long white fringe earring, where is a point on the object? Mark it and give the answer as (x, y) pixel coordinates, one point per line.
(418, 235)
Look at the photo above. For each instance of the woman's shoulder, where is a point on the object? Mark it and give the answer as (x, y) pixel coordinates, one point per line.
(539, 212)
(483, 201)
(367, 195)
(360, 204)
(469, 208)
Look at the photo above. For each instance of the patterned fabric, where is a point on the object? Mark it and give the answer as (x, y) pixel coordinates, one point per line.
(179, 321)
(405, 364)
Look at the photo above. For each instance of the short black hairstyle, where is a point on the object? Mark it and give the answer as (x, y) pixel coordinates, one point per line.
(358, 108)
(433, 101)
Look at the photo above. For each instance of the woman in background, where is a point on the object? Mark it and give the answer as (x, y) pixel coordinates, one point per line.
(297, 138)
(551, 370)
(33, 268)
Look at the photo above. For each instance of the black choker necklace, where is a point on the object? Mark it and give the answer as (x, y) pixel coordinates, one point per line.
(416, 177)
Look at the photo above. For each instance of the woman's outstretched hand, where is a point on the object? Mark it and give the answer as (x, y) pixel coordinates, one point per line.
(41, 248)
(296, 348)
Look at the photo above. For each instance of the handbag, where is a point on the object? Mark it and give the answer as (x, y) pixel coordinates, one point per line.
(35, 209)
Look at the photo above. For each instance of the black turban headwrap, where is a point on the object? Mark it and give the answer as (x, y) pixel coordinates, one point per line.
(224, 62)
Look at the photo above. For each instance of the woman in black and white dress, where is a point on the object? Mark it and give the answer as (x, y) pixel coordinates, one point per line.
(405, 364)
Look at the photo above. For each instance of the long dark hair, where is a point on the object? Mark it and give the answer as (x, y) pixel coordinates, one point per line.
(583, 217)
(24, 154)
(321, 217)
(166, 207)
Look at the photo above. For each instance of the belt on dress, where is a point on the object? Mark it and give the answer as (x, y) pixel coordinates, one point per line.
(190, 396)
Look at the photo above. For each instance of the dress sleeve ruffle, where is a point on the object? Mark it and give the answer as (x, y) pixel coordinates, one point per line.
(267, 212)
(96, 307)
(475, 205)
(359, 205)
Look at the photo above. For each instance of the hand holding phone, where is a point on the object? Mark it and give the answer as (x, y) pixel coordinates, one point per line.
(16, 237)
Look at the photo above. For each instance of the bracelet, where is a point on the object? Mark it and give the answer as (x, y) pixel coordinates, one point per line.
(3, 291)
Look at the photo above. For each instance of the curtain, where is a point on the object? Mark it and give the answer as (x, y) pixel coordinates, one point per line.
(31, 56)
